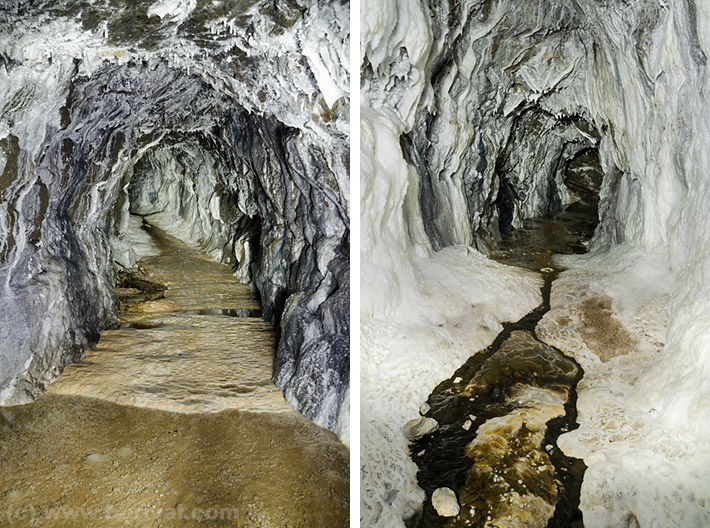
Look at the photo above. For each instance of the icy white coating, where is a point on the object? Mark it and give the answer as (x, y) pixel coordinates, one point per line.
(226, 122)
(444, 85)
(178, 10)
(422, 313)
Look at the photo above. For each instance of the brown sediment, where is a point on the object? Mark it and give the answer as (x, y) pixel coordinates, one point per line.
(173, 415)
(503, 468)
(175, 350)
(513, 482)
(601, 332)
(590, 321)
(78, 461)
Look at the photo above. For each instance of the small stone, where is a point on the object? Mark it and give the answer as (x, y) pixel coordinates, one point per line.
(97, 458)
(445, 502)
(458, 379)
(420, 426)
(547, 270)
(472, 417)
(548, 447)
(125, 452)
(467, 425)
(424, 408)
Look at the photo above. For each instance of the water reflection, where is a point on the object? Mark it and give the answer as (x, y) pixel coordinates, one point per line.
(190, 340)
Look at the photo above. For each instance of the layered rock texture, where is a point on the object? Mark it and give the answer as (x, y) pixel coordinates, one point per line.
(225, 123)
(478, 114)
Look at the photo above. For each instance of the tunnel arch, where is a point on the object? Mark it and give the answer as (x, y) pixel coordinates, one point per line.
(255, 179)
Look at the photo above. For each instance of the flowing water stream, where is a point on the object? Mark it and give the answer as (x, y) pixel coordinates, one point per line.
(500, 414)
(172, 420)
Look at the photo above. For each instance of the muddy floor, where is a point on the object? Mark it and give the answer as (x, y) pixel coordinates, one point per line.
(77, 461)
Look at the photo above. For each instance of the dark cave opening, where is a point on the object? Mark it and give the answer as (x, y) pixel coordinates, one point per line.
(547, 164)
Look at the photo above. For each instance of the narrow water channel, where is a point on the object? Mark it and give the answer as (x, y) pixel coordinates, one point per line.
(499, 414)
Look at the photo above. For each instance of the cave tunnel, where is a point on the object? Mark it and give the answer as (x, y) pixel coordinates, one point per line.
(536, 280)
(175, 255)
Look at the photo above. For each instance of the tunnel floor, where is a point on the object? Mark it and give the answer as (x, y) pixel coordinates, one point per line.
(185, 349)
(500, 414)
(172, 420)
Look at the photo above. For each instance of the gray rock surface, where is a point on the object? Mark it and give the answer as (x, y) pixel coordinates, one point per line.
(227, 124)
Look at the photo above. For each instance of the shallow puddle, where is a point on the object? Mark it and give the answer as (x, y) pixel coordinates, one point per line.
(72, 461)
(198, 347)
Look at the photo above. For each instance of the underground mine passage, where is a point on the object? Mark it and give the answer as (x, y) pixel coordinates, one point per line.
(499, 415)
(174, 263)
(533, 327)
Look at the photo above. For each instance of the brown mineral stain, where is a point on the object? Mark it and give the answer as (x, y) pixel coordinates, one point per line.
(603, 334)
(104, 465)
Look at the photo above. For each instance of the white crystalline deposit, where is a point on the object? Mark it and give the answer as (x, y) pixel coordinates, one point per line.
(643, 413)
(421, 426)
(445, 503)
(444, 87)
(422, 313)
(177, 9)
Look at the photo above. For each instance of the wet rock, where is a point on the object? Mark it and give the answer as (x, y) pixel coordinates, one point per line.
(420, 426)
(519, 388)
(445, 502)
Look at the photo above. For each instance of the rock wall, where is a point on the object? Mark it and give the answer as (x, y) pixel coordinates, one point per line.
(485, 99)
(230, 122)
